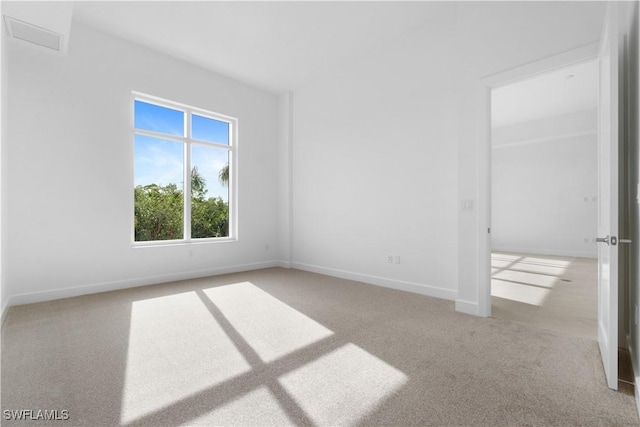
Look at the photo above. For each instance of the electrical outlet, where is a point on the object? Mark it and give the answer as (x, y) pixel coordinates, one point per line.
(390, 259)
(396, 259)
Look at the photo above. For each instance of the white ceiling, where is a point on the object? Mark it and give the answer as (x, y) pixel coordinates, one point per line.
(277, 46)
(550, 94)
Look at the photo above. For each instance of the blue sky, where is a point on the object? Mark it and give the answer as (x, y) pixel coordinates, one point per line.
(160, 161)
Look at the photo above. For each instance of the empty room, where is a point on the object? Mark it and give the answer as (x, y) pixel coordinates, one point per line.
(544, 200)
(280, 213)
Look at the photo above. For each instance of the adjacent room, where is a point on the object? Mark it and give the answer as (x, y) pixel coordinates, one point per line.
(273, 213)
(544, 200)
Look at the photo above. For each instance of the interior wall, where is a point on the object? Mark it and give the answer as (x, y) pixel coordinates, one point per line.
(374, 171)
(544, 186)
(70, 162)
(3, 142)
(386, 146)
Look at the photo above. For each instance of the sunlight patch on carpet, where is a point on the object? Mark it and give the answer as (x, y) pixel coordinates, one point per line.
(342, 387)
(176, 348)
(271, 327)
(265, 410)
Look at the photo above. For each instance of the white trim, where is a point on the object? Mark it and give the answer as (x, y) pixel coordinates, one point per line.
(181, 242)
(162, 136)
(416, 288)
(187, 167)
(552, 252)
(173, 105)
(483, 163)
(467, 307)
(483, 224)
(283, 264)
(5, 311)
(544, 139)
(94, 288)
(561, 60)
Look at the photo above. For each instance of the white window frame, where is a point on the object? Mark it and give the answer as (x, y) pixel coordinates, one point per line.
(187, 141)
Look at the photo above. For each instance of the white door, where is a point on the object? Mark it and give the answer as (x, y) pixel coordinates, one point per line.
(608, 198)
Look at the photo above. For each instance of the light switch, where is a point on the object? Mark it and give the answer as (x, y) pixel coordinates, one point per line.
(466, 205)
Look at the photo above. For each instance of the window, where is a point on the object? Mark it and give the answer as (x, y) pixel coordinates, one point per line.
(183, 164)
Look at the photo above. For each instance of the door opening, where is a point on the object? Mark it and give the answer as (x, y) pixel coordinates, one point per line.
(544, 210)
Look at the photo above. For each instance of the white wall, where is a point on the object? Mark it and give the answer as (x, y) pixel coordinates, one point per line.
(285, 185)
(70, 169)
(544, 186)
(374, 167)
(3, 142)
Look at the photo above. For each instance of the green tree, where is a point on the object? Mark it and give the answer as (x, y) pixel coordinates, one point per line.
(209, 218)
(198, 183)
(223, 175)
(159, 211)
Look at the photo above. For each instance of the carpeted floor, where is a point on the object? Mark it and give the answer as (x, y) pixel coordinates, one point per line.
(282, 347)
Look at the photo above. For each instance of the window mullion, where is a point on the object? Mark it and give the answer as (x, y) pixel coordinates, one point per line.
(187, 179)
(159, 135)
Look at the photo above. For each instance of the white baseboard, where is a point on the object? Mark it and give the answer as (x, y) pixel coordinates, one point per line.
(552, 252)
(283, 264)
(33, 297)
(467, 307)
(636, 373)
(3, 315)
(416, 288)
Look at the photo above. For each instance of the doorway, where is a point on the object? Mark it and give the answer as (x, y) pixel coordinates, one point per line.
(544, 209)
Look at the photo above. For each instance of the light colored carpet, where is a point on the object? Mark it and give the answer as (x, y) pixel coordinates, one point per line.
(282, 347)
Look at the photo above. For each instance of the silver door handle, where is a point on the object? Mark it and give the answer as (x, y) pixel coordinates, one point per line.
(627, 241)
(603, 240)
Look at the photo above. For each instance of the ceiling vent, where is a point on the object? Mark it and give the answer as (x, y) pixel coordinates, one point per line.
(42, 37)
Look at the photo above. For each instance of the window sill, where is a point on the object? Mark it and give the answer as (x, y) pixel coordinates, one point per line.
(164, 243)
